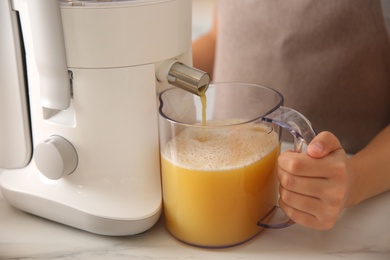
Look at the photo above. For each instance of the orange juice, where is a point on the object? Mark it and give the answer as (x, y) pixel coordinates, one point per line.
(217, 188)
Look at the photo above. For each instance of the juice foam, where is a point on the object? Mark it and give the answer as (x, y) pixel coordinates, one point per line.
(222, 148)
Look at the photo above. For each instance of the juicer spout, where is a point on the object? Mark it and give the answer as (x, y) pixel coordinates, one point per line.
(188, 78)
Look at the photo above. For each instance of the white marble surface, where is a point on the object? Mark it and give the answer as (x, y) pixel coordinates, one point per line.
(363, 232)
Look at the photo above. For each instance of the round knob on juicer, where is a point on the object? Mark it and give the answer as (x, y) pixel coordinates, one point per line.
(55, 157)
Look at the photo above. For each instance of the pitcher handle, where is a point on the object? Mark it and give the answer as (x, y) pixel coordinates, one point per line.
(300, 127)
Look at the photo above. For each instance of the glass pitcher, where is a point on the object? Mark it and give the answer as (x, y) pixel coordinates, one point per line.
(219, 183)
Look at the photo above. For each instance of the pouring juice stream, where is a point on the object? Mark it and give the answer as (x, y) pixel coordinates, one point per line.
(203, 100)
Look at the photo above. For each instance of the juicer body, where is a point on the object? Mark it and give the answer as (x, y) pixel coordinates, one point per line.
(88, 152)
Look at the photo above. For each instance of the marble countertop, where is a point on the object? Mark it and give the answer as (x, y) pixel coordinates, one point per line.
(362, 232)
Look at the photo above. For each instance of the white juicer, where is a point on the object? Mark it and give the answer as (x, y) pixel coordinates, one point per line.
(78, 110)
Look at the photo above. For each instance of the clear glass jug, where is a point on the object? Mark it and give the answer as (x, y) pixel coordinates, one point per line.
(219, 181)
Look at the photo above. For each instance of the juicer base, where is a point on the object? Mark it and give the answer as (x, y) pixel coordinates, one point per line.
(21, 192)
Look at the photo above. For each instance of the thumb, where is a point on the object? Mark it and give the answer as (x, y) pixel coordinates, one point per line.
(323, 144)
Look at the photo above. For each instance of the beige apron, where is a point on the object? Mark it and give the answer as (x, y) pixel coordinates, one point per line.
(330, 59)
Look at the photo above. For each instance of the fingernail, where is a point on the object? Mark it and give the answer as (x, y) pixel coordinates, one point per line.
(317, 147)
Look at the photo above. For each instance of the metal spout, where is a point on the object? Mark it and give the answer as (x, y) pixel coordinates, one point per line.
(188, 78)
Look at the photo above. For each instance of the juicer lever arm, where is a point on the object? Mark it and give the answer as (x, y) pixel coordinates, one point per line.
(49, 50)
(15, 137)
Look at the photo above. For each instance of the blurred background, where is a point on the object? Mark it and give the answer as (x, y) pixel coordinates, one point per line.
(201, 16)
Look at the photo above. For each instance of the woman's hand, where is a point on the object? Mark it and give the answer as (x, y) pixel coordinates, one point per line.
(314, 185)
